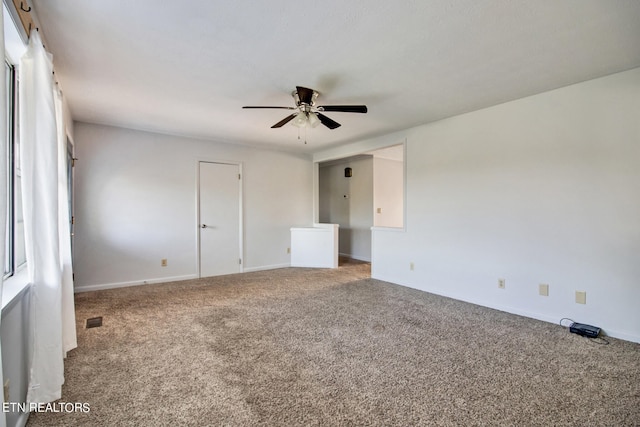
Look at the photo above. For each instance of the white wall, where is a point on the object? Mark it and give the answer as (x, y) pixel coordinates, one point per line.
(388, 192)
(545, 189)
(354, 213)
(13, 336)
(135, 203)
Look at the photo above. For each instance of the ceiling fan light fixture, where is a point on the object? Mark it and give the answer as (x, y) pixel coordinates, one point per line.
(300, 120)
(313, 120)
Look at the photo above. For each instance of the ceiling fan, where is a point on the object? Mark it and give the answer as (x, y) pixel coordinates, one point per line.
(307, 113)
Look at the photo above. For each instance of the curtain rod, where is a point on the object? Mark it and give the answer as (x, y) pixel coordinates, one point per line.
(23, 10)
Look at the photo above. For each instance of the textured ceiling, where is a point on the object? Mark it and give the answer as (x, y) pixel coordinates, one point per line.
(187, 67)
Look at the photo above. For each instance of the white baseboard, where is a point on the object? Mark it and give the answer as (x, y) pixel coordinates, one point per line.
(103, 286)
(359, 258)
(266, 267)
(508, 309)
(99, 287)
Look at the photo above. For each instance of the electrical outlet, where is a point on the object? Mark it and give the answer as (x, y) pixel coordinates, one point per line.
(581, 297)
(543, 289)
(411, 266)
(163, 262)
(502, 283)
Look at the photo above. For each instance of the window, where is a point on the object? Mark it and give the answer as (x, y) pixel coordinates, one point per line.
(15, 255)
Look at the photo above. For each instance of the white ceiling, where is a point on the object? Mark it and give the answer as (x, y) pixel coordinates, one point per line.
(187, 67)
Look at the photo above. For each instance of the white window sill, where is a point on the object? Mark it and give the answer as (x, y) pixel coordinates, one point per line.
(14, 286)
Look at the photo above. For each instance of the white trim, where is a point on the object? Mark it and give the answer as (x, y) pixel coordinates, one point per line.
(360, 147)
(14, 286)
(507, 309)
(391, 229)
(404, 183)
(240, 209)
(316, 192)
(16, 38)
(99, 287)
(358, 258)
(266, 267)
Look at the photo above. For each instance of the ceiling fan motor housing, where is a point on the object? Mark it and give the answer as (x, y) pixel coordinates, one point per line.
(303, 95)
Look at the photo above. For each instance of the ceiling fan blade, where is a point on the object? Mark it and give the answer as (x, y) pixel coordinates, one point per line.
(283, 121)
(259, 106)
(345, 108)
(327, 121)
(305, 95)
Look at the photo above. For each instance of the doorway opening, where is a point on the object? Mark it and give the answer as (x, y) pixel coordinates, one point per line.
(360, 192)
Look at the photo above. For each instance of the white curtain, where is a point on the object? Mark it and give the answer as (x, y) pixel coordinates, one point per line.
(39, 160)
(69, 340)
(3, 180)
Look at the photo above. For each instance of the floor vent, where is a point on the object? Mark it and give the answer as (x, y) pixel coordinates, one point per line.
(94, 322)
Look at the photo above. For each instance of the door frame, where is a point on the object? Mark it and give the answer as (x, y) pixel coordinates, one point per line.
(240, 207)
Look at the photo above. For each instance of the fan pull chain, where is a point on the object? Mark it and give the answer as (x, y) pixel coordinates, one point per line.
(305, 134)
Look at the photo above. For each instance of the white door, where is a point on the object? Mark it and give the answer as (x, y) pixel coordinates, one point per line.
(219, 219)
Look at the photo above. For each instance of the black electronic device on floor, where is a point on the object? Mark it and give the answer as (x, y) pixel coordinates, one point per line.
(585, 330)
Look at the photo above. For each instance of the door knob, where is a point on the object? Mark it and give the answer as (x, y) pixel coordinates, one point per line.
(204, 225)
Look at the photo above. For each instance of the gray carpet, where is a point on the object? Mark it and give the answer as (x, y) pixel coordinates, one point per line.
(333, 347)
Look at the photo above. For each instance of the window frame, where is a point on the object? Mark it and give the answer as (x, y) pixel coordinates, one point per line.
(11, 265)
